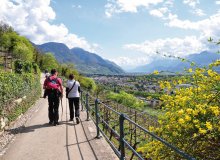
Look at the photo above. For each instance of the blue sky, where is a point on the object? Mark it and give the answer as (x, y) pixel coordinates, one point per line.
(128, 32)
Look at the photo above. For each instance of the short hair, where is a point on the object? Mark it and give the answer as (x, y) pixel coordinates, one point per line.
(71, 76)
(53, 71)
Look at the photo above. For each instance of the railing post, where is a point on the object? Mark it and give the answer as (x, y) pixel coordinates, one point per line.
(81, 100)
(87, 106)
(122, 145)
(97, 118)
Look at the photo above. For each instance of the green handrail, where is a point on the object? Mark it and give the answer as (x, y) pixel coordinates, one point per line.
(122, 141)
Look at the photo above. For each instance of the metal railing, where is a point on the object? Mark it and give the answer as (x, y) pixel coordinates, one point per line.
(105, 116)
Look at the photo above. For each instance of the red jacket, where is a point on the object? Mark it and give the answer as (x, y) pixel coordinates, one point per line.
(48, 85)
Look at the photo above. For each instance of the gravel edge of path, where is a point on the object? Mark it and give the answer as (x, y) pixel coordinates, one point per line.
(15, 127)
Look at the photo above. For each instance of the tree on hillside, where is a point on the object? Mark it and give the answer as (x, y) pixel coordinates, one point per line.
(87, 83)
(5, 28)
(49, 62)
(19, 46)
(23, 51)
(66, 69)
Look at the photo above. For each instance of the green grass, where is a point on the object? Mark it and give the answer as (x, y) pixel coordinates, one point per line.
(153, 112)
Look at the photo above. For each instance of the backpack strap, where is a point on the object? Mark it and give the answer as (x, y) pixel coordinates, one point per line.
(50, 80)
(71, 88)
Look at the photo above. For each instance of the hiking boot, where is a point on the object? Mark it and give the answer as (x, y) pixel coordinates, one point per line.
(56, 123)
(77, 120)
(71, 119)
(50, 122)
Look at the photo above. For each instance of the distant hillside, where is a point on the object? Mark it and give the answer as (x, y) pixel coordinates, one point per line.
(174, 65)
(84, 61)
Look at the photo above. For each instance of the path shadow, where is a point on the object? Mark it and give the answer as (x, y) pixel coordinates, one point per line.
(69, 123)
(87, 141)
(27, 129)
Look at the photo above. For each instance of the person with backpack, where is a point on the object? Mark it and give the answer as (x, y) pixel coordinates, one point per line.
(73, 95)
(47, 74)
(53, 84)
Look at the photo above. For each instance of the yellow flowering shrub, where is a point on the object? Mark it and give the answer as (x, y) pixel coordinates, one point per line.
(192, 117)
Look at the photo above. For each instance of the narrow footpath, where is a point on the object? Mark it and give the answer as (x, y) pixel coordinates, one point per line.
(68, 141)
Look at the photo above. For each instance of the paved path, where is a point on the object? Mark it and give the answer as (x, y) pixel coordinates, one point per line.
(67, 141)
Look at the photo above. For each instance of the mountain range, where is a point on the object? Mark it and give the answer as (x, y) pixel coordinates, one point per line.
(90, 63)
(85, 62)
(175, 65)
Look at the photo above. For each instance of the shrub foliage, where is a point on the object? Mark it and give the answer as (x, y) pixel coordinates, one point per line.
(192, 117)
(14, 86)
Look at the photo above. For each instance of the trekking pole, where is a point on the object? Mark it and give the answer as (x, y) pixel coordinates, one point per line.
(62, 108)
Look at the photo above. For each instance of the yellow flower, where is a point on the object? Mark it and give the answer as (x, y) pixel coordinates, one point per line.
(203, 111)
(180, 81)
(196, 121)
(181, 121)
(189, 110)
(199, 89)
(209, 125)
(217, 78)
(211, 73)
(215, 110)
(156, 72)
(187, 118)
(151, 128)
(198, 71)
(160, 122)
(167, 113)
(195, 112)
(162, 85)
(180, 112)
(194, 135)
(190, 70)
(202, 131)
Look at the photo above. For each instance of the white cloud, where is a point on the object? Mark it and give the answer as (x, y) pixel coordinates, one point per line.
(217, 2)
(32, 18)
(207, 27)
(118, 6)
(156, 13)
(176, 46)
(170, 46)
(159, 12)
(191, 3)
(169, 3)
(131, 61)
(198, 12)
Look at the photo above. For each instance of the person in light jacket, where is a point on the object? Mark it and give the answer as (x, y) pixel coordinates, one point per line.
(73, 95)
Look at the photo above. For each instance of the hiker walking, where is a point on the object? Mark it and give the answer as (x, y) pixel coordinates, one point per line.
(53, 84)
(47, 74)
(73, 94)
